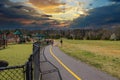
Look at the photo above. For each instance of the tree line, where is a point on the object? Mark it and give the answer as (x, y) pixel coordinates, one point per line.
(85, 34)
(78, 34)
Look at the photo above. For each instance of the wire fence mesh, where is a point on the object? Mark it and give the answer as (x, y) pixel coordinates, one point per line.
(12, 73)
(34, 69)
(29, 71)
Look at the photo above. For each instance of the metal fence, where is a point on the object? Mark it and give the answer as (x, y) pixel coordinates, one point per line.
(12, 73)
(28, 71)
(31, 70)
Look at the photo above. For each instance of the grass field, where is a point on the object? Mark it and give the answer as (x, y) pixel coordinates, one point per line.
(16, 54)
(105, 55)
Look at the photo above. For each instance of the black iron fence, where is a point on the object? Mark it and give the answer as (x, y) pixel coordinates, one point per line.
(31, 70)
(28, 71)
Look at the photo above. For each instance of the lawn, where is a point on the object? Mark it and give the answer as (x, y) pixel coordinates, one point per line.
(105, 55)
(16, 54)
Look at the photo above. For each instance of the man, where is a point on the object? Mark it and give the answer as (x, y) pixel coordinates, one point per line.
(61, 41)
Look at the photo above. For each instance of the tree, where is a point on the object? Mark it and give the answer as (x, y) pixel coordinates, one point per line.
(113, 37)
(117, 32)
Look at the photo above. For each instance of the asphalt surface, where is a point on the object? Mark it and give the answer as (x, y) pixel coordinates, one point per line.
(70, 68)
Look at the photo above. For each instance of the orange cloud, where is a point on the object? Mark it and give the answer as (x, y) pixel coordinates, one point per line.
(20, 20)
(48, 6)
(65, 24)
(45, 3)
(26, 22)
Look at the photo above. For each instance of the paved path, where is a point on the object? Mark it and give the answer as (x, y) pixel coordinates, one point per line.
(72, 69)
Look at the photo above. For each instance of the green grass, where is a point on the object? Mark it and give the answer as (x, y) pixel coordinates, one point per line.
(105, 55)
(16, 54)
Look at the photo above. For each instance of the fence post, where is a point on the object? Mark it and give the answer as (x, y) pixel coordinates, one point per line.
(27, 71)
(31, 67)
(40, 77)
(33, 48)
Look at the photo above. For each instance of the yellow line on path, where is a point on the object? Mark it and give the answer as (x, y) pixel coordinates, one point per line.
(70, 71)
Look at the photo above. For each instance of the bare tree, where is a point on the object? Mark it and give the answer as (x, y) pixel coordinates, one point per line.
(113, 37)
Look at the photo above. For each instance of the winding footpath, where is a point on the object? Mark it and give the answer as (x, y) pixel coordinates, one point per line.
(72, 69)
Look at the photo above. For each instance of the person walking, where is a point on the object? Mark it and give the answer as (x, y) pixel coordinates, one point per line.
(61, 41)
(52, 41)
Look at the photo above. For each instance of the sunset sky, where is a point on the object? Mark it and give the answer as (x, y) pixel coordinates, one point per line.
(48, 12)
(64, 9)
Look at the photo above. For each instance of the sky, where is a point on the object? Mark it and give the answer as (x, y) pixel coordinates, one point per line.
(64, 9)
(57, 13)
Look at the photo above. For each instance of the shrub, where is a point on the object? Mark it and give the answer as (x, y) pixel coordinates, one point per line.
(3, 63)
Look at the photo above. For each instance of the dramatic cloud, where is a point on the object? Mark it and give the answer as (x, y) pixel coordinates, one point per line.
(58, 13)
(45, 3)
(12, 15)
(98, 17)
(48, 6)
(69, 9)
(115, 0)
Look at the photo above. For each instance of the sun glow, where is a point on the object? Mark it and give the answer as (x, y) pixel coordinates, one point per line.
(62, 11)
